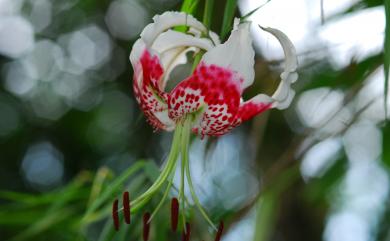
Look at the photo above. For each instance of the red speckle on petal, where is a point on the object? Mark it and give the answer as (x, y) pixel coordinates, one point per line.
(216, 90)
(147, 88)
(249, 109)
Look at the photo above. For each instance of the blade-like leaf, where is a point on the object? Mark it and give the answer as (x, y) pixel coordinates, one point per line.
(354, 73)
(358, 6)
(114, 187)
(228, 16)
(208, 13)
(243, 18)
(189, 6)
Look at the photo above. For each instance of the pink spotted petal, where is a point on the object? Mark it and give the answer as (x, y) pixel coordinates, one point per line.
(153, 101)
(252, 107)
(236, 54)
(211, 95)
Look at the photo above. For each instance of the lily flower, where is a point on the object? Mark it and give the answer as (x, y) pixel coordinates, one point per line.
(212, 94)
(208, 102)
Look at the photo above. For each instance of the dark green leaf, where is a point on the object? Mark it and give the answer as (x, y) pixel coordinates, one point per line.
(228, 16)
(208, 13)
(386, 146)
(356, 72)
(358, 6)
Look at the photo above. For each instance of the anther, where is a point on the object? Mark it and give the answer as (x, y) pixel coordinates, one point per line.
(146, 226)
(186, 232)
(126, 207)
(174, 214)
(219, 232)
(115, 215)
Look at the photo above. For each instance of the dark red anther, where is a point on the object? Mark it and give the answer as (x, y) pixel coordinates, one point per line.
(126, 207)
(219, 232)
(174, 213)
(146, 226)
(186, 233)
(115, 215)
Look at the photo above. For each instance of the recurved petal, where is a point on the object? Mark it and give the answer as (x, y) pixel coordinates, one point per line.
(252, 107)
(167, 20)
(152, 100)
(236, 54)
(172, 58)
(284, 94)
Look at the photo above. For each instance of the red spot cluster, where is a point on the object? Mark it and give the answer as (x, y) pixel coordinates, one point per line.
(214, 88)
(213, 91)
(146, 88)
(250, 109)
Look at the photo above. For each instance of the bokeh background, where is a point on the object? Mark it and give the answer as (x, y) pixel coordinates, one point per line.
(72, 137)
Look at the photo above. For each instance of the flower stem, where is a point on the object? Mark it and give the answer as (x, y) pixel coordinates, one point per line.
(184, 160)
(186, 164)
(169, 167)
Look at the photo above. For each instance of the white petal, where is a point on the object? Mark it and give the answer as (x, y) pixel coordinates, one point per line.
(173, 39)
(281, 105)
(164, 118)
(167, 20)
(137, 51)
(171, 59)
(236, 53)
(288, 48)
(215, 38)
(284, 94)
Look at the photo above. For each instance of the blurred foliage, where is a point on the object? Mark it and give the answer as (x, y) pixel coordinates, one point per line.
(104, 147)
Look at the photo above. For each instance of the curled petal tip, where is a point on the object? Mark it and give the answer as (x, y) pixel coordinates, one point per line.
(263, 28)
(284, 94)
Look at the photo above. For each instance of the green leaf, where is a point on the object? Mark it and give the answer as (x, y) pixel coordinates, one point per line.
(228, 16)
(317, 189)
(358, 6)
(267, 210)
(189, 6)
(114, 187)
(268, 203)
(356, 72)
(208, 13)
(386, 145)
(387, 53)
(243, 18)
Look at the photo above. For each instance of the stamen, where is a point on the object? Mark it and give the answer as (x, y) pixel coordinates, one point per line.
(126, 207)
(219, 232)
(115, 215)
(174, 214)
(146, 226)
(186, 232)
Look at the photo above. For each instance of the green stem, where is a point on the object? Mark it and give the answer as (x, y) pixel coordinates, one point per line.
(185, 162)
(196, 200)
(168, 188)
(172, 159)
